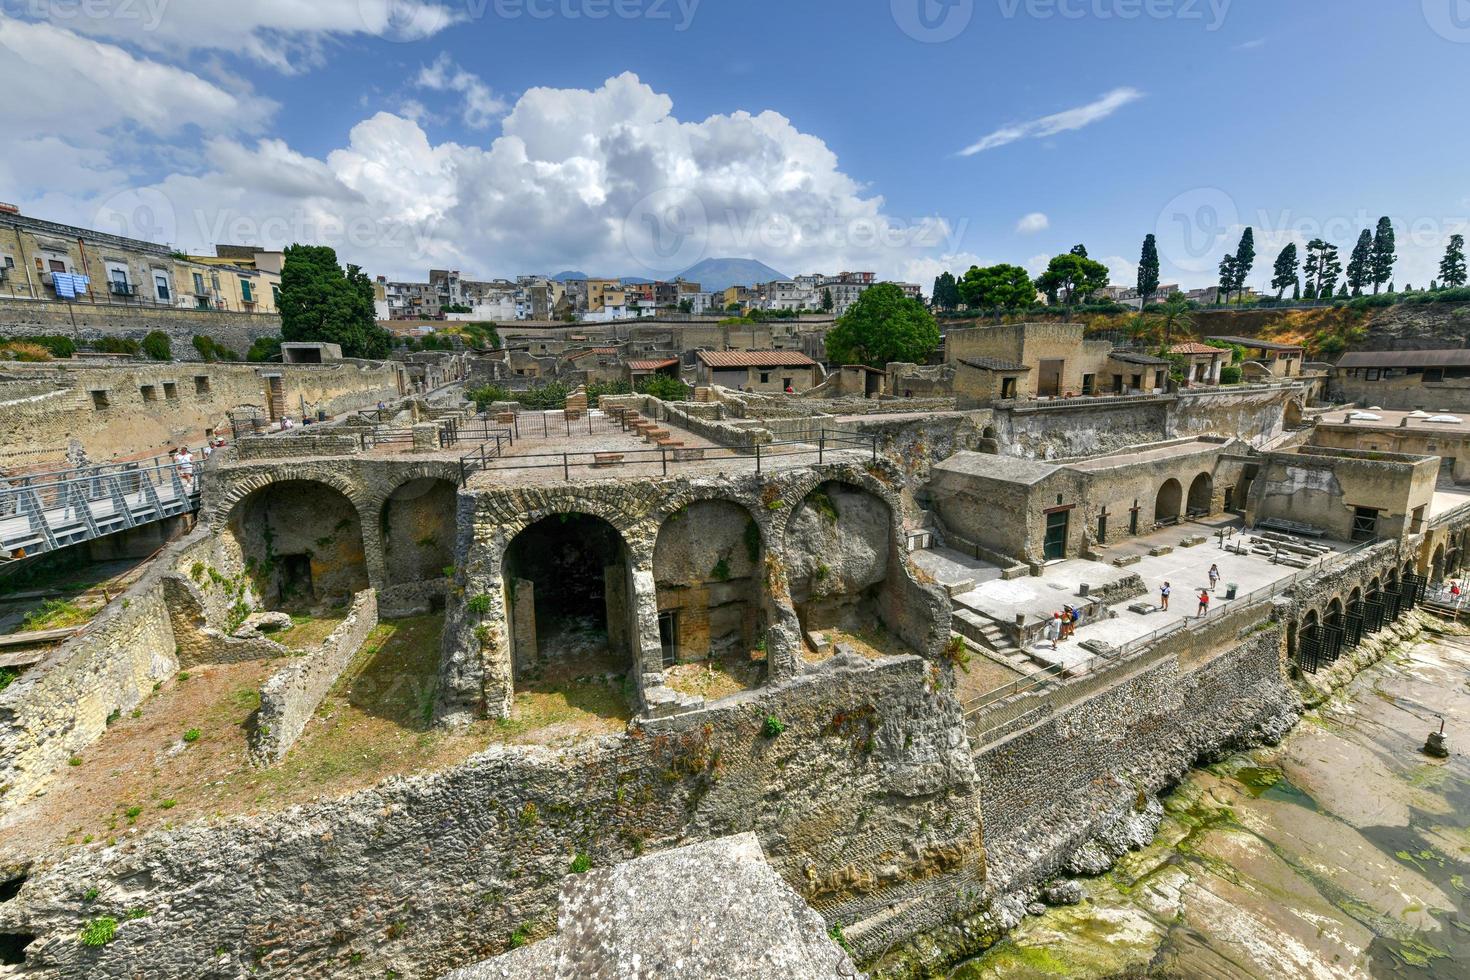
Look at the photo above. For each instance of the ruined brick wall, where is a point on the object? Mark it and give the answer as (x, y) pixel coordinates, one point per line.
(290, 697)
(865, 805)
(105, 408)
(88, 323)
(296, 446)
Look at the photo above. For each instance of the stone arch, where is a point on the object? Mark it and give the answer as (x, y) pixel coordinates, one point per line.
(708, 572)
(1309, 625)
(1201, 495)
(301, 542)
(243, 487)
(1334, 615)
(838, 547)
(1168, 501)
(416, 525)
(569, 598)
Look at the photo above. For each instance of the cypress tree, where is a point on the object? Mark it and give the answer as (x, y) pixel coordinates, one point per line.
(1452, 268)
(1148, 271)
(1284, 272)
(1360, 266)
(1383, 254)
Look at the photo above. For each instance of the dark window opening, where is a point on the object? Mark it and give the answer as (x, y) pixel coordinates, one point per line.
(201, 384)
(149, 393)
(296, 577)
(13, 947)
(99, 400)
(1008, 387)
(1433, 374)
(1089, 383)
(170, 391)
(1365, 523)
(668, 633)
(1056, 534)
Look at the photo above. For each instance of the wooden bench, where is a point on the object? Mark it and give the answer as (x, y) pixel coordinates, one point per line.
(1290, 527)
(606, 459)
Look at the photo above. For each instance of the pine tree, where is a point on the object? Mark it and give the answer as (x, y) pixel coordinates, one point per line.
(1148, 271)
(1342, 291)
(1296, 292)
(1079, 250)
(1383, 254)
(1452, 269)
(1360, 266)
(1245, 260)
(1284, 273)
(1227, 278)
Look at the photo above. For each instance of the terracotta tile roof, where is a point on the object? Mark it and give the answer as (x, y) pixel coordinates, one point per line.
(1195, 347)
(594, 350)
(754, 358)
(651, 365)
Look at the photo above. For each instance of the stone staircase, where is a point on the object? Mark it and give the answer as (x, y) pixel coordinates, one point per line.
(988, 634)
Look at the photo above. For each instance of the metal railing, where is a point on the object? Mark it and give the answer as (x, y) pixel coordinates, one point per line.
(663, 457)
(41, 512)
(1135, 648)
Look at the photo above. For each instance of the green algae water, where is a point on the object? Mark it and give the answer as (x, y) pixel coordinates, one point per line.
(1342, 853)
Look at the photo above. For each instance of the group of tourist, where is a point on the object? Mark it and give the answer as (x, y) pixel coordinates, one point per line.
(1205, 594)
(1063, 624)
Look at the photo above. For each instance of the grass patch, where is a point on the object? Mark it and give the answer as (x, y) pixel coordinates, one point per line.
(54, 614)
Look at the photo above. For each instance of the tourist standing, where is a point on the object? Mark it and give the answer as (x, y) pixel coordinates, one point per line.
(1164, 597)
(1214, 576)
(185, 463)
(1054, 629)
(1204, 602)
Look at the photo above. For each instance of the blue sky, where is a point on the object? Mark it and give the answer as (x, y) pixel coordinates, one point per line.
(533, 135)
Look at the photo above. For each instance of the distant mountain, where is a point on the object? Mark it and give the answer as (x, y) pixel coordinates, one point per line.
(564, 276)
(635, 281)
(714, 275)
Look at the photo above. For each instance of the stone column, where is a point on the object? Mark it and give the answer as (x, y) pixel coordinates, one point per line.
(425, 437)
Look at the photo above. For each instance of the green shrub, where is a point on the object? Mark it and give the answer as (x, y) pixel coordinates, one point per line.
(1230, 375)
(156, 345)
(99, 931)
(479, 605)
(264, 349)
(192, 735)
(116, 345)
(772, 727)
(665, 388)
(58, 346)
(581, 864)
(597, 389)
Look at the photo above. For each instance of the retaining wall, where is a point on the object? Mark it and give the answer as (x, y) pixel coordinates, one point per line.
(290, 697)
(87, 322)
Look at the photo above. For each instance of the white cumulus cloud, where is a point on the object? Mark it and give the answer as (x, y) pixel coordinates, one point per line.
(1059, 122)
(1033, 223)
(478, 106)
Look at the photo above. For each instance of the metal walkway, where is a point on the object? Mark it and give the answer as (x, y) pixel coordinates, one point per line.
(41, 512)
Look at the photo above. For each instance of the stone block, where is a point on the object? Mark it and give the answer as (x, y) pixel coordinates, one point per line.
(1123, 561)
(1192, 540)
(1161, 550)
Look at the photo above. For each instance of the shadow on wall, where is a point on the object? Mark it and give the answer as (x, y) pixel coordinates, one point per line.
(301, 544)
(838, 548)
(707, 570)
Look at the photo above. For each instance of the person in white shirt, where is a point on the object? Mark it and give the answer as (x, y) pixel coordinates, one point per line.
(185, 463)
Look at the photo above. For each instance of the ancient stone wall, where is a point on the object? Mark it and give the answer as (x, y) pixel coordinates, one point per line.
(1048, 789)
(1039, 431)
(109, 411)
(290, 697)
(87, 322)
(864, 804)
(290, 446)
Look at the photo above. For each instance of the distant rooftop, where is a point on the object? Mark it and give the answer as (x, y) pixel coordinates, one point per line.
(1454, 357)
(754, 358)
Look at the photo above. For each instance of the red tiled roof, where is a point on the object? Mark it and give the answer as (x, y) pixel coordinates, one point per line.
(594, 350)
(651, 365)
(754, 358)
(1194, 347)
